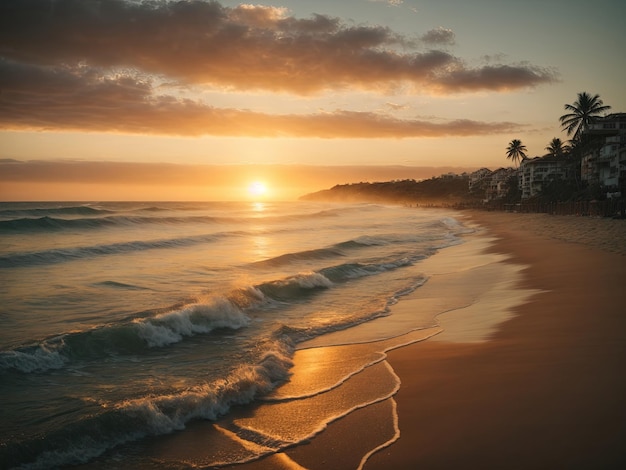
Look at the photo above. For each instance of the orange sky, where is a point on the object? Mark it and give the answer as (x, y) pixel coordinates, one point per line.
(219, 92)
(55, 180)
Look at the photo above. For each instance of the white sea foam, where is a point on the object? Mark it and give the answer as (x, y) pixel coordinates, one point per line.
(384, 445)
(81, 451)
(154, 415)
(39, 359)
(312, 280)
(165, 413)
(286, 423)
(171, 327)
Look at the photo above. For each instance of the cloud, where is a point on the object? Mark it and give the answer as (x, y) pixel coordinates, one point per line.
(393, 3)
(439, 36)
(172, 174)
(248, 47)
(493, 77)
(100, 66)
(396, 106)
(79, 98)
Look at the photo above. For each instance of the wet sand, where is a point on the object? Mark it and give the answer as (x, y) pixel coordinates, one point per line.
(549, 389)
(546, 390)
(543, 386)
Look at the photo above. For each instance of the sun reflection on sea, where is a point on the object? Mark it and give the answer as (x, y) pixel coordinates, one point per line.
(261, 247)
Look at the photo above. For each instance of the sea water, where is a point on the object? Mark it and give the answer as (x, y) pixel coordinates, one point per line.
(124, 322)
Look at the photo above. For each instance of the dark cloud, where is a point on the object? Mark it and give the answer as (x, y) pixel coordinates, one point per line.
(247, 47)
(99, 65)
(439, 36)
(493, 77)
(78, 98)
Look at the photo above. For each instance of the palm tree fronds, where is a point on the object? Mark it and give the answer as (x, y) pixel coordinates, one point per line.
(516, 151)
(584, 111)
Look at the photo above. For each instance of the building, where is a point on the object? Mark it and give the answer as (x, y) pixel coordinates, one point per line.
(536, 173)
(499, 183)
(605, 164)
(494, 184)
(477, 177)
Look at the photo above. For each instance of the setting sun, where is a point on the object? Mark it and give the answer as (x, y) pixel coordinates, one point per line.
(257, 189)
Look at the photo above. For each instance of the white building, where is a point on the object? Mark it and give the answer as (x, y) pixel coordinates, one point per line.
(499, 183)
(477, 176)
(536, 173)
(606, 164)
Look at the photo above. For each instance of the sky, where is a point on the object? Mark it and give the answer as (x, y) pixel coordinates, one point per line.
(198, 100)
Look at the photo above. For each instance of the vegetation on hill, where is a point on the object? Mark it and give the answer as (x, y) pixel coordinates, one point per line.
(440, 190)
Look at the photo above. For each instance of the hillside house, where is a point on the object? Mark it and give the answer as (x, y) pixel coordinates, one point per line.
(606, 163)
(536, 173)
(499, 183)
(476, 178)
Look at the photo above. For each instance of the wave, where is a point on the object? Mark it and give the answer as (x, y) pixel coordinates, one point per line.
(48, 211)
(40, 220)
(42, 357)
(61, 255)
(89, 218)
(47, 223)
(131, 337)
(302, 285)
(344, 272)
(171, 326)
(119, 285)
(154, 209)
(153, 415)
(363, 241)
(334, 251)
(301, 334)
(318, 254)
(295, 287)
(138, 335)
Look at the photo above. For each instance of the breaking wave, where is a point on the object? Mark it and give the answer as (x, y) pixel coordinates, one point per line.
(172, 326)
(131, 337)
(153, 415)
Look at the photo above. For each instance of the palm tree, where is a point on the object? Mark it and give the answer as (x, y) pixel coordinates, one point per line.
(557, 148)
(583, 112)
(516, 151)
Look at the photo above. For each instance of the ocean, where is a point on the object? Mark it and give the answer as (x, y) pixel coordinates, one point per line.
(128, 328)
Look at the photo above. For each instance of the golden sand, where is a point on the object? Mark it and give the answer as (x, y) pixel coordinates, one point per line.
(539, 385)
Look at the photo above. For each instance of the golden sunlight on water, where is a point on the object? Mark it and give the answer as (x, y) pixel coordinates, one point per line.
(258, 207)
(261, 243)
(319, 369)
(260, 247)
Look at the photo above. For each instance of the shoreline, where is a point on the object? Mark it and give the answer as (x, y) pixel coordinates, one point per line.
(531, 377)
(547, 391)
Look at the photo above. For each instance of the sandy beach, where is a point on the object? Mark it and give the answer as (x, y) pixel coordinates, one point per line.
(548, 390)
(545, 391)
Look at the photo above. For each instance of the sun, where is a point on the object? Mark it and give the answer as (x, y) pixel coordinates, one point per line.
(257, 189)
